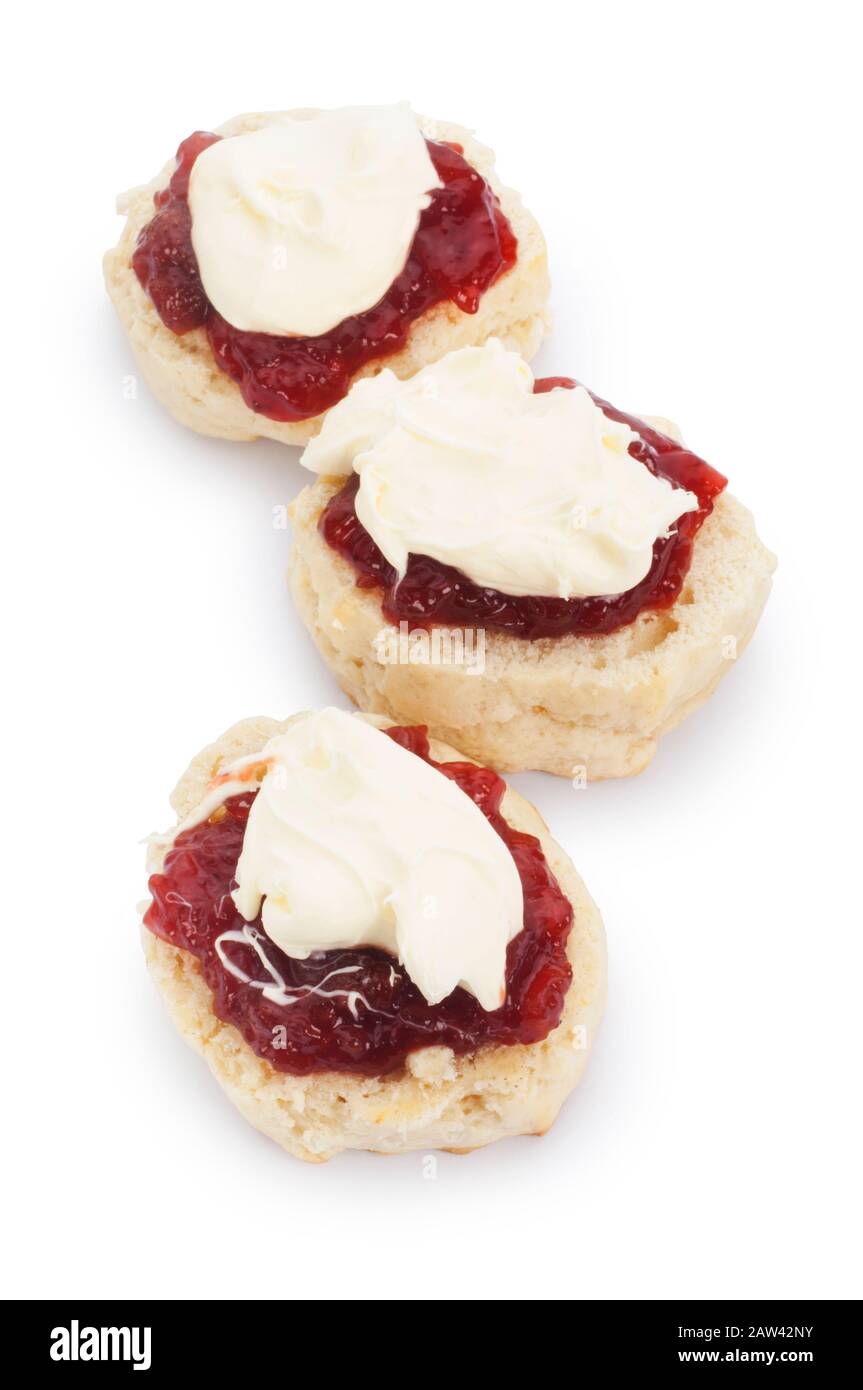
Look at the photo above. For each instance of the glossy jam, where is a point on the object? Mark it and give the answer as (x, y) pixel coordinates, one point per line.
(386, 1016)
(431, 592)
(462, 245)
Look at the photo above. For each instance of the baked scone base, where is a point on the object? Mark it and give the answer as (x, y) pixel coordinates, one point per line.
(183, 375)
(590, 707)
(438, 1100)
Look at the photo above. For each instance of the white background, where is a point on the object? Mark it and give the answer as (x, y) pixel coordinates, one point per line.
(695, 168)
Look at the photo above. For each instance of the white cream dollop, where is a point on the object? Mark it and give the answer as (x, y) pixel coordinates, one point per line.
(528, 494)
(354, 841)
(300, 224)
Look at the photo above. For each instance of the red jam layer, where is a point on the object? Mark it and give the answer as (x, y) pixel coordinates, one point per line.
(463, 243)
(386, 1016)
(431, 592)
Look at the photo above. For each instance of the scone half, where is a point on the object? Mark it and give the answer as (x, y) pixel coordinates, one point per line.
(591, 707)
(437, 1100)
(183, 374)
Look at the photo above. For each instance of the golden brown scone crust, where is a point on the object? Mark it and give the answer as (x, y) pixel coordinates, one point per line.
(181, 371)
(438, 1100)
(574, 706)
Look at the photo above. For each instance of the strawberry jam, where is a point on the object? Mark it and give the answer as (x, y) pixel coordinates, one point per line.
(463, 243)
(431, 592)
(357, 1010)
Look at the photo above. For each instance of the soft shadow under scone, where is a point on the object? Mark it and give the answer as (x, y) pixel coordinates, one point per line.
(181, 371)
(567, 705)
(437, 1100)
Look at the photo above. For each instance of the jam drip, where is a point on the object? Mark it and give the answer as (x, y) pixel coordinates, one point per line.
(431, 592)
(463, 243)
(358, 1010)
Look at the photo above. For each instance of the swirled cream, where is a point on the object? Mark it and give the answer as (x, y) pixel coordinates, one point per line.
(354, 841)
(524, 493)
(300, 224)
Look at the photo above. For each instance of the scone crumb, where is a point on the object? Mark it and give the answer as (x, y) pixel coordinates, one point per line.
(433, 1064)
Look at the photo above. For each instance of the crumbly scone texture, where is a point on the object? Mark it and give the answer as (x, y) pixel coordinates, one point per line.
(437, 1100)
(183, 375)
(589, 707)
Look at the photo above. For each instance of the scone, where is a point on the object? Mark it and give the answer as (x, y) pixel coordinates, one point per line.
(288, 254)
(374, 943)
(540, 579)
